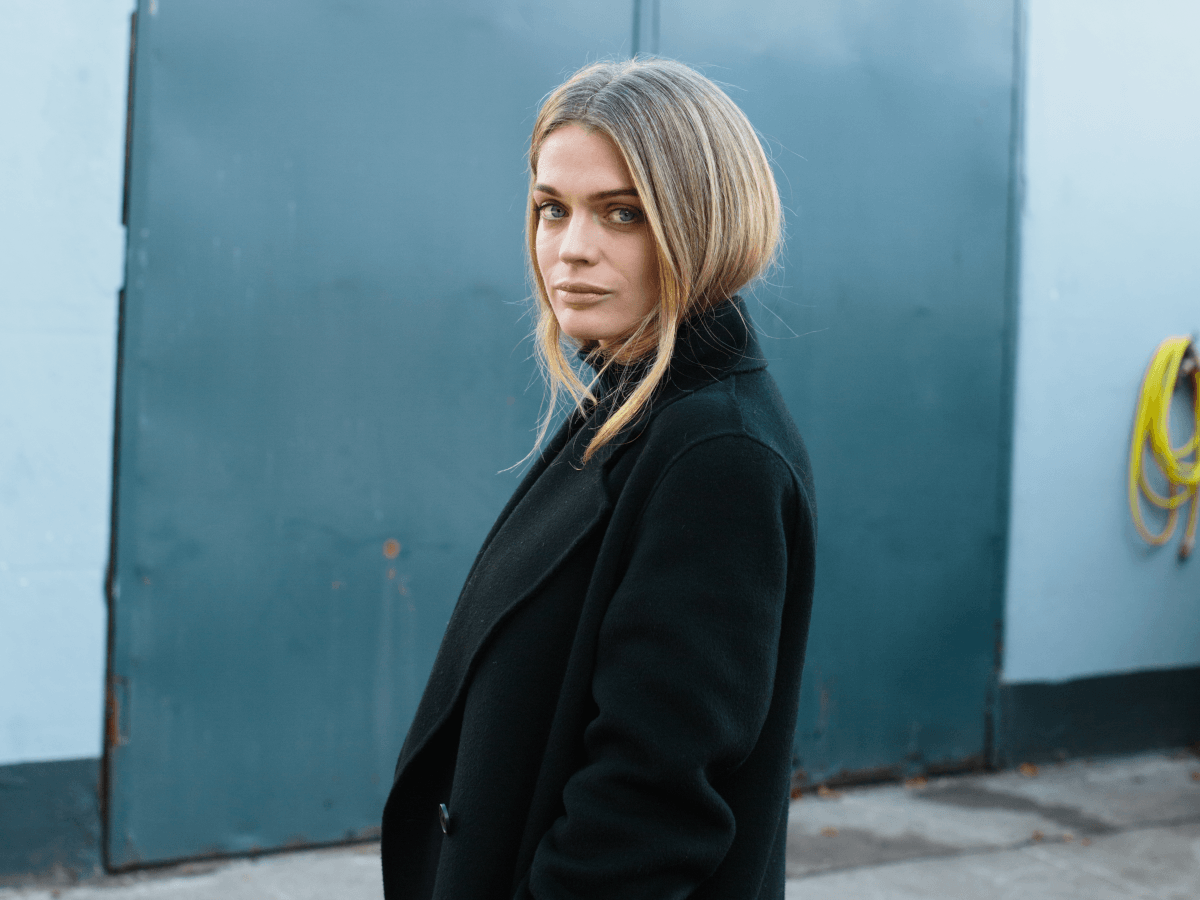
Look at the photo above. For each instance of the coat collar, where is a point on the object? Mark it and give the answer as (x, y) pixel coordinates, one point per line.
(558, 504)
(718, 343)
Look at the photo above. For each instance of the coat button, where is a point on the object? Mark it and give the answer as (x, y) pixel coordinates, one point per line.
(445, 818)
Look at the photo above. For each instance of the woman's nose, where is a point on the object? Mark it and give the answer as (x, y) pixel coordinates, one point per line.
(580, 240)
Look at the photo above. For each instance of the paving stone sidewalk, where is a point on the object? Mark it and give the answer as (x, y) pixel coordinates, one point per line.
(1118, 828)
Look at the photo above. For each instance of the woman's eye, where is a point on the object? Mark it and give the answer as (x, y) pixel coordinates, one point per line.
(551, 211)
(625, 215)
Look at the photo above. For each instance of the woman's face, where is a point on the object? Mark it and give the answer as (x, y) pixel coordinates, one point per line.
(594, 247)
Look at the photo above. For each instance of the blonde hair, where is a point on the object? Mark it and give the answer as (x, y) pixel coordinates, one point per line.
(708, 195)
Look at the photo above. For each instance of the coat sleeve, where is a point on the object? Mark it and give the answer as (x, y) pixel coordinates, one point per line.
(683, 678)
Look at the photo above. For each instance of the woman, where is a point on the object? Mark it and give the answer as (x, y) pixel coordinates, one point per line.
(611, 710)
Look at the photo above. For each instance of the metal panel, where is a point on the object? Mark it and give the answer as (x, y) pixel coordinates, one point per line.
(324, 368)
(890, 126)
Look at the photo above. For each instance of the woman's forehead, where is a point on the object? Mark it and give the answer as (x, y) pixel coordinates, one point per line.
(581, 161)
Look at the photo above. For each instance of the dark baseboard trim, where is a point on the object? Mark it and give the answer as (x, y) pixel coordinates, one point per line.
(49, 821)
(1106, 715)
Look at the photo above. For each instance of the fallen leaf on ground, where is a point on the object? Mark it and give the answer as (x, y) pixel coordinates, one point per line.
(1029, 770)
(1037, 835)
(827, 793)
(829, 831)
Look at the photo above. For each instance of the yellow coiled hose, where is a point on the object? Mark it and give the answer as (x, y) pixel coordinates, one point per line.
(1174, 359)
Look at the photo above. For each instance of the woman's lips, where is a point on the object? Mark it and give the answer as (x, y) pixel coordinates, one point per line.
(576, 293)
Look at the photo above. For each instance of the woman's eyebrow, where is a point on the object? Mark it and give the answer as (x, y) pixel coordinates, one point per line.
(599, 195)
(618, 192)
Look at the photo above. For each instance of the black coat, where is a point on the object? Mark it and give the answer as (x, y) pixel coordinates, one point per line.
(611, 711)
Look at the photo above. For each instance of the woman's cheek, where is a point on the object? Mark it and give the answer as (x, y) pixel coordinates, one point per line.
(545, 256)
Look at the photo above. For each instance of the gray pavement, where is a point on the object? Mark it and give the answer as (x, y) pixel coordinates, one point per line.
(1109, 829)
(1119, 828)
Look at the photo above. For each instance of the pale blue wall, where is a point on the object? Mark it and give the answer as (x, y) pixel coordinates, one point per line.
(1109, 238)
(1110, 255)
(62, 123)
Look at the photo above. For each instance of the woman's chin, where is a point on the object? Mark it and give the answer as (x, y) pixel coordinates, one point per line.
(585, 330)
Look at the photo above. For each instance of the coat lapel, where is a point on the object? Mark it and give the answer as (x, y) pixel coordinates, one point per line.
(555, 507)
(547, 456)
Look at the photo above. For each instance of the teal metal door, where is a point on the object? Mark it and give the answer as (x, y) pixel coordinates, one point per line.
(324, 367)
(890, 123)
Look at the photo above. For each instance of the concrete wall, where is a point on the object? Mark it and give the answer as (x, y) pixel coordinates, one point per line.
(62, 108)
(1110, 266)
